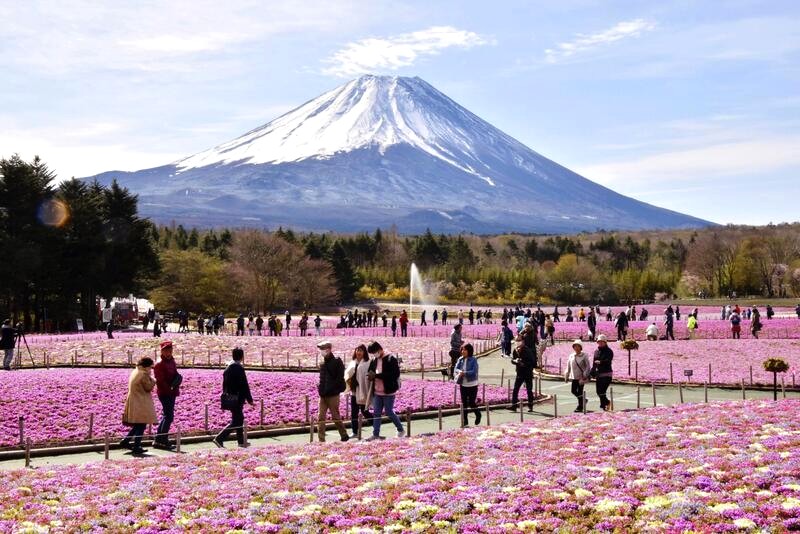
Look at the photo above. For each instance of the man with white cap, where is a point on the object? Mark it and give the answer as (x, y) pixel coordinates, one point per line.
(601, 369)
(578, 369)
(331, 385)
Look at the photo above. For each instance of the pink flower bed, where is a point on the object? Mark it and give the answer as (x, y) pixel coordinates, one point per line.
(215, 350)
(709, 329)
(730, 359)
(727, 467)
(56, 404)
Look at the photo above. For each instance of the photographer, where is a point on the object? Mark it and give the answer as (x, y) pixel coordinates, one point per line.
(7, 341)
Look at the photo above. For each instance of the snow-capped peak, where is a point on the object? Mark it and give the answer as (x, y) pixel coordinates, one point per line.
(379, 111)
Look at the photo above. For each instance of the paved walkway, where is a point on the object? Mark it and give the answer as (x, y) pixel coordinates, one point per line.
(492, 368)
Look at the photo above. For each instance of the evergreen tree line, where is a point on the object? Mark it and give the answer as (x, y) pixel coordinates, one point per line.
(64, 246)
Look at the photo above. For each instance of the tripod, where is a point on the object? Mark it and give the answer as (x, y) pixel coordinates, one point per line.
(21, 339)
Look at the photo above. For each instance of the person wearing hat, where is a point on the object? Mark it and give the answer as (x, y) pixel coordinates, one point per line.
(139, 410)
(601, 369)
(578, 370)
(524, 359)
(331, 385)
(168, 382)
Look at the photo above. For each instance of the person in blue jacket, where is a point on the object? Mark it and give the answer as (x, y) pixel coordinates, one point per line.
(466, 376)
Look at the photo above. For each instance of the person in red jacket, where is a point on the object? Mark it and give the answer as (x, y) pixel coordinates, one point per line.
(403, 324)
(168, 382)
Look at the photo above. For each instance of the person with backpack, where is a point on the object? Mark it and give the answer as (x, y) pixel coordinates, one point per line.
(578, 370)
(602, 371)
(622, 325)
(384, 375)
(358, 385)
(331, 385)
(524, 359)
(669, 323)
(236, 391)
(466, 372)
(736, 325)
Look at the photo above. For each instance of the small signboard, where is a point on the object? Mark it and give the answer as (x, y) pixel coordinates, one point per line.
(688, 372)
(79, 322)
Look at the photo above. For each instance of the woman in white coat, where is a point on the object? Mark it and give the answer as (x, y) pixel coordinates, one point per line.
(578, 369)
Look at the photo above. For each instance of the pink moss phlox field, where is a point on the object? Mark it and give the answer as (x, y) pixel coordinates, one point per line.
(202, 350)
(709, 329)
(705, 468)
(56, 404)
(730, 359)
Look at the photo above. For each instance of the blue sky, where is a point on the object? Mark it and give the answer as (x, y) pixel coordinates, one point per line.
(689, 105)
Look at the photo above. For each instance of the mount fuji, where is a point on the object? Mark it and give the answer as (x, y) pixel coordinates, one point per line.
(381, 151)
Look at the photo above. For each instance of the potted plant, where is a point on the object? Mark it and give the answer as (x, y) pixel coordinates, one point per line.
(629, 345)
(775, 366)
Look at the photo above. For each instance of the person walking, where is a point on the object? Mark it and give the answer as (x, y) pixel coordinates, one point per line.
(139, 409)
(622, 325)
(318, 325)
(384, 374)
(234, 383)
(168, 382)
(551, 330)
(466, 373)
(259, 324)
(578, 370)
(394, 326)
(455, 347)
(601, 369)
(251, 326)
(755, 325)
(524, 359)
(330, 387)
(8, 339)
(358, 385)
(669, 323)
(422, 321)
(591, 324)
(240, 325)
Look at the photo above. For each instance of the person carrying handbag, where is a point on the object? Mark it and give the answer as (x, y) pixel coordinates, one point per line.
(235, 392)
(601, 370)
(466, 373)
(578, 371)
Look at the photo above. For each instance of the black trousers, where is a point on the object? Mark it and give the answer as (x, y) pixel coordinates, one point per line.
(577, 390)
(237, 420)
(355, 409)
(469, 398)
(528, 381)
(603, 382)
(135, 433)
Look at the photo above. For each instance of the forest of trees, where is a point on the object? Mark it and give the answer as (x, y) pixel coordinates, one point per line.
(66, 245)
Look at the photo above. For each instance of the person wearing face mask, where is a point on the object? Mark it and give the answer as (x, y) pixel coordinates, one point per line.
(331, 385)
(384, 373)
(358, 385)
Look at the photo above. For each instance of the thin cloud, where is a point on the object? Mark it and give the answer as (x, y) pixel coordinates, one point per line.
(392, 53)
(584, 43)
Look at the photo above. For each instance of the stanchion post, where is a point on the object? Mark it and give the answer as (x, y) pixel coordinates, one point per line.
(422, 399)
(636, 369)
(555, 406)
(261, 414)
(680, 392)
(488, 413)
(521, 413)
(670, 373)
(709, 373)
(244, 432)
(751, 375)
(440, 418)
(611, 394)
(408, 422)
(502, 376)
(106, 446)
(705, 392)
(308, 421)
(744, 396)
(638, 397)
(21, 422)
(91, 426)
(205, 418)
(583, 401)
(177, 440)
(28, 452)
(653, 385)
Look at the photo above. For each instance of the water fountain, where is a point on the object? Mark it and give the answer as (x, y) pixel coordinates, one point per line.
(415, 283)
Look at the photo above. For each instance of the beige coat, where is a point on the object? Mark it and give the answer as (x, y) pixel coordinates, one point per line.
(139, 406)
